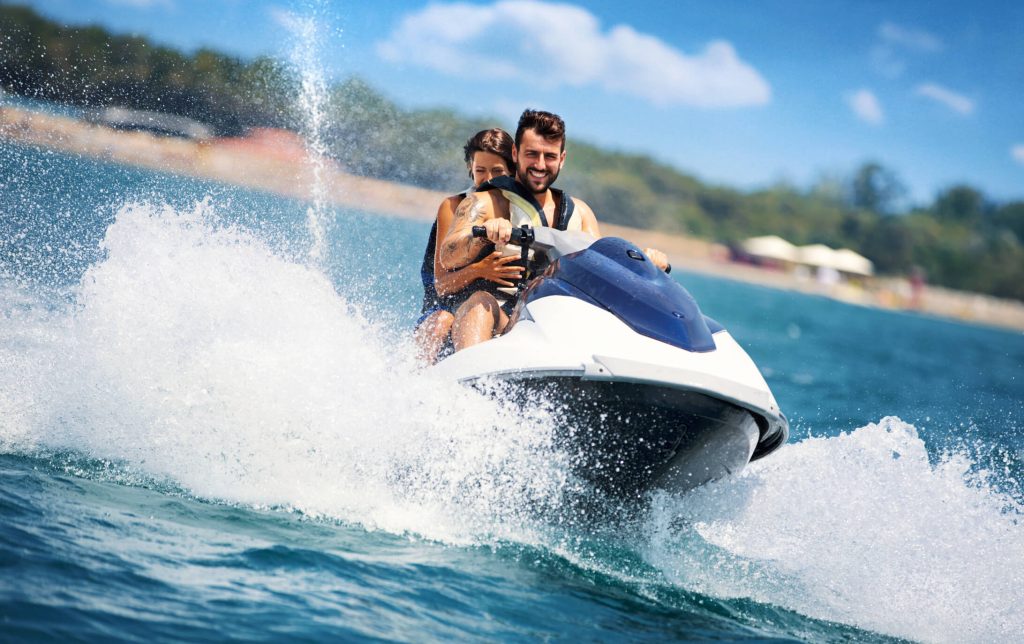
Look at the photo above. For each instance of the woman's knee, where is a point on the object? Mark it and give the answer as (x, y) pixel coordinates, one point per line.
(482, 298)
(439, 319)
(479, 300)
(444, 320)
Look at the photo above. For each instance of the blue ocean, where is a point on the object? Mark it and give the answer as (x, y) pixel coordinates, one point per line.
(210, 432)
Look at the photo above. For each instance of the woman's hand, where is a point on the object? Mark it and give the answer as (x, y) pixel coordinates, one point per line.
(498, 268)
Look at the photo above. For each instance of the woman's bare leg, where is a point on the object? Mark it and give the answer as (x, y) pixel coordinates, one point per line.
(477, 320)
(432, 333)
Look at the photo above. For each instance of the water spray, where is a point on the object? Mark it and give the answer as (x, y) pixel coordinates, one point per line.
(307, 34)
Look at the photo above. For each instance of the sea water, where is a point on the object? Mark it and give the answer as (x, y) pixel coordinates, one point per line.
(207, 434)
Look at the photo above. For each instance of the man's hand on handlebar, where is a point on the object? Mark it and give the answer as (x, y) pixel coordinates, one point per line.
(522, 235)
(499, 231)
(658, 258)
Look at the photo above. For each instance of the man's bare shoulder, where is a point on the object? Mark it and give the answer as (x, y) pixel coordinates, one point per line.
(454, 201)
(588, 221)
(492, 195)
(493, 202)
(474, 209)
(582, 206)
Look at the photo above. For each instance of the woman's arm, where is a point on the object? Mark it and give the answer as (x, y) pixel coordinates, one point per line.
(588, 222)
(492, 267)
(447, 282)
(459, 246)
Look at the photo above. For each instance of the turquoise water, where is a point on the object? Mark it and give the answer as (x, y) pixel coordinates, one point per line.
(206, 434)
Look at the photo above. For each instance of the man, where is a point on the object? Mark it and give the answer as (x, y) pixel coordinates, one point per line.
(538, 154)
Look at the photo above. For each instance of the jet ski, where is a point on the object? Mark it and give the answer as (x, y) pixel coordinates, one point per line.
(649, 392)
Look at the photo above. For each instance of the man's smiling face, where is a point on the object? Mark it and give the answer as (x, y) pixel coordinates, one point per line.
(538, 161)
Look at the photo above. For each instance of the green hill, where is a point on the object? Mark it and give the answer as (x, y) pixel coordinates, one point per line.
(962, 240)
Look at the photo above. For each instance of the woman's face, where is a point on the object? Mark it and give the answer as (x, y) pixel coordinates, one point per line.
(486, 166)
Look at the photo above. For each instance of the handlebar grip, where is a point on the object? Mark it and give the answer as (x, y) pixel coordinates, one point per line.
(519, 235)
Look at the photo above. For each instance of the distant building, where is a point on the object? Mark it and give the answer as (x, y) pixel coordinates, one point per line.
(853, 263)
(770, 251)
(827, 263)
(845, 261)
(121, 118)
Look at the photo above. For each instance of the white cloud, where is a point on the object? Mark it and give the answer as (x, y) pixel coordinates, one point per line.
(509, 109)
(895, 43)
(555, 45)
(1017, 152)
(866, 106)
(956, 102)
(916, 40)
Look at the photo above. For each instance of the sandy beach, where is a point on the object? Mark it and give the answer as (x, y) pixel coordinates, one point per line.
(277, 162)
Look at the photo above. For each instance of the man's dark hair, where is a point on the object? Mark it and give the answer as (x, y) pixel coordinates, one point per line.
(496, 141)
(550, 126)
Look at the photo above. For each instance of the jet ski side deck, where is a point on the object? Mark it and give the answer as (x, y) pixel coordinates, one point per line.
(625, 438)
(634, 413)
(649, 392)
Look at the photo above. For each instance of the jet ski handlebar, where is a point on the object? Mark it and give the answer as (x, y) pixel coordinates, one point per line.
(522, 236)
(549, 242)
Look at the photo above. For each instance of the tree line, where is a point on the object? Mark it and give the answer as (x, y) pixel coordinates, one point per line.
(961, 240)
(89, 66)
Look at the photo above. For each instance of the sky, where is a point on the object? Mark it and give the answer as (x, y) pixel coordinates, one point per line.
(739, 93)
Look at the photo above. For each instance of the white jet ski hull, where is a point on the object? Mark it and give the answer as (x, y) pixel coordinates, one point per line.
(635, 413)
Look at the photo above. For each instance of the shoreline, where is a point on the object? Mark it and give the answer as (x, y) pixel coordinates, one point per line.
(277, 162)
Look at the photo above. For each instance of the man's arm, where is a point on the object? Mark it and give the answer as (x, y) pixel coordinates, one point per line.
(657, 257)
(459, 246)
(588, 222)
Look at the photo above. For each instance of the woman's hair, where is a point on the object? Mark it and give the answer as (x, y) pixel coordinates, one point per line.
(496, 141)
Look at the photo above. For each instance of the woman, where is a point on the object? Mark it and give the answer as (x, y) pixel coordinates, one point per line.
(488, 154)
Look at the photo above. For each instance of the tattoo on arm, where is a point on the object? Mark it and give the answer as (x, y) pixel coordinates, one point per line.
(459, 248)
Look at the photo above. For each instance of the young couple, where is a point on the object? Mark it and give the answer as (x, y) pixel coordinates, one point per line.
(467, 280)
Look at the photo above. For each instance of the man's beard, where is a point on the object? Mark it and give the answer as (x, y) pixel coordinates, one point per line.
(523, 174)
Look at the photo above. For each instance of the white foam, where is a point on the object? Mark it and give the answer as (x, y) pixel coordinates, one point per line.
(195, 353)
(860, 529)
